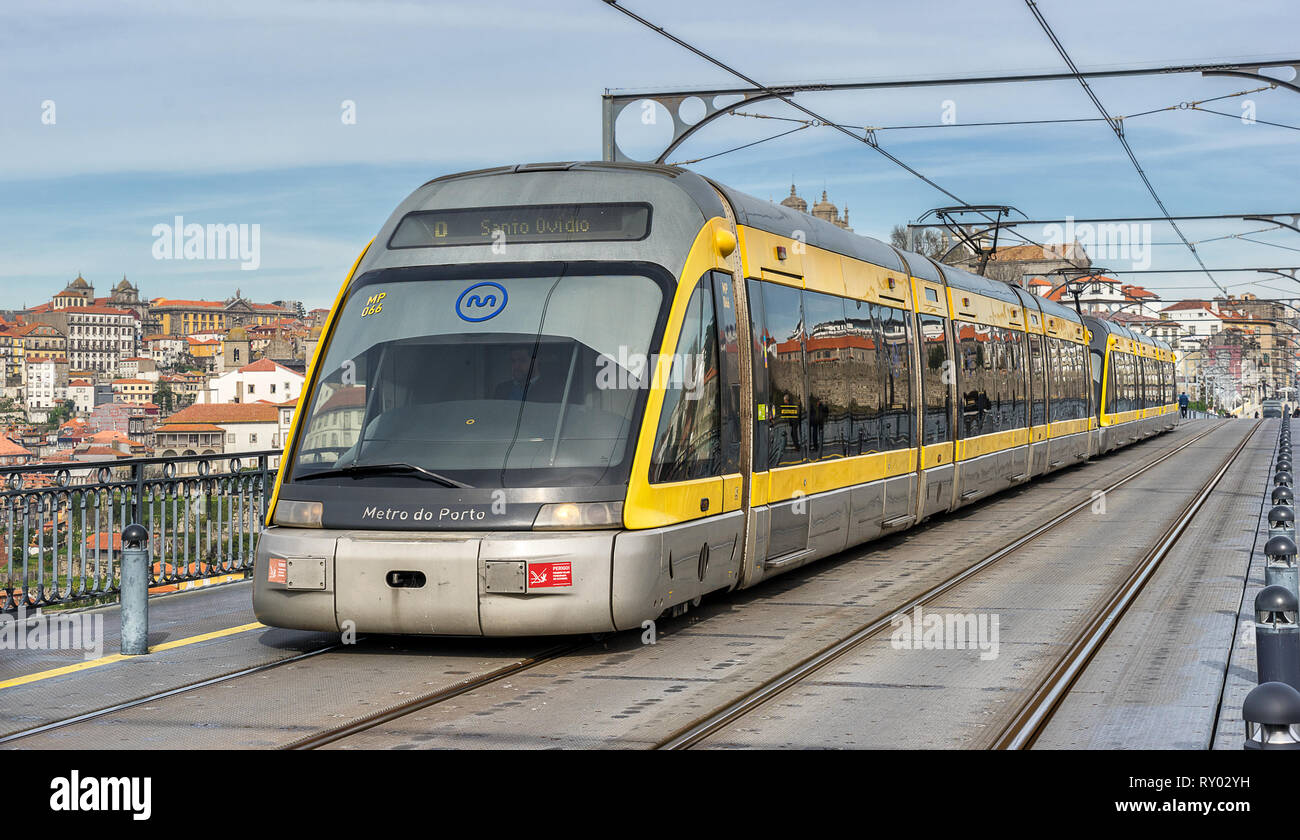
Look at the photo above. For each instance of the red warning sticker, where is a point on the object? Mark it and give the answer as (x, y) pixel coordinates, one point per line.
(543, 575)
(278, 571)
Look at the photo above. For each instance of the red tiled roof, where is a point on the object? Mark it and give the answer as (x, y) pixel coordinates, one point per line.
(186, 304)
(226, 413)
(10, 449)
(97, 310)
(187, 427)
(263, 366)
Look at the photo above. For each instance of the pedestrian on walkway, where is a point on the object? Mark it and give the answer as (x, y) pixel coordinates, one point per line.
(1182, 404)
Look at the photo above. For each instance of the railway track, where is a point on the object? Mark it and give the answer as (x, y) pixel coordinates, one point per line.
(1036, 711)
(716, 720)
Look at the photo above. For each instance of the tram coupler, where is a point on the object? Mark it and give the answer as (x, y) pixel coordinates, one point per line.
(135, 590)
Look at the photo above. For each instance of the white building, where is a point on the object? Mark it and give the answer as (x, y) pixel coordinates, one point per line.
(262, 381)
(47, 382)
(82, 394)
(165, 350)
(1098, 293)
(138, 367)
(99, 337)
(246, 427)
(1196, 318)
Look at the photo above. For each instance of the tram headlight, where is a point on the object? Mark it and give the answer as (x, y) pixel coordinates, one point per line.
(294, 514)
(573, 515)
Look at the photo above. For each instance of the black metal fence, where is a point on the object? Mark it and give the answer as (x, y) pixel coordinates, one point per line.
(61, 527)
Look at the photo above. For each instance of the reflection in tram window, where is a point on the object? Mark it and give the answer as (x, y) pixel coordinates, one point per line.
(896, 327)
(977, 378)
(828, 348)
(758, 360)
(544, 391)
(688, 441)
(788, 420)
(1037, 384)
(729, 361)
(934, 380)
(866, 375)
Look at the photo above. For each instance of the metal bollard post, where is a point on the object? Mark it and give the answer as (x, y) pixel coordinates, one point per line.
(1283, 479)
(135, 590)
(1281, 522)
(1277, 636)
(1272, 716)
(1280, 567)
(1283, 496)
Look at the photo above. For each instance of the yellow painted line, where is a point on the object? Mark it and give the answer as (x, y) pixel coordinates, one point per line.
(117, 657)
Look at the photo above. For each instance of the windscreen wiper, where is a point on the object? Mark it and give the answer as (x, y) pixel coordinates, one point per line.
(385, 469)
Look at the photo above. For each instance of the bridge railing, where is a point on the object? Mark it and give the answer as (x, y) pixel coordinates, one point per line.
(61, 525)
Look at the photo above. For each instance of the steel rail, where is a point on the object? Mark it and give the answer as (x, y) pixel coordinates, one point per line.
(383, 716)
(161, 695)
(713, 722)
(1036, 712)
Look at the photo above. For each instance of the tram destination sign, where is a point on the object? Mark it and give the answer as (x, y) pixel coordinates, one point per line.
(609, 222)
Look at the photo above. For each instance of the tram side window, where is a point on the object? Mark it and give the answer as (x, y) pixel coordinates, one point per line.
(1126, 383)
(758, 333)
(1074, 381)
(896, 328)
(866, 373)
(1135, 383)
(788, 416)
(1112, 382)
(935, 376)
(688, 442)
(826, 354)
(1121, 381)
(976, 378)
(1056, 381)
(1017, 388)
(1081, 382)
(728, 337)
(1037, 384)
(1146, 371)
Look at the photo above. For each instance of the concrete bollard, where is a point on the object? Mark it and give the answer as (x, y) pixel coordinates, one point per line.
(1277, 636)
(135, 590)
(1272, 716)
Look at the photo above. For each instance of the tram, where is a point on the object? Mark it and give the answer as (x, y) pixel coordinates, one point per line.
(566, 398)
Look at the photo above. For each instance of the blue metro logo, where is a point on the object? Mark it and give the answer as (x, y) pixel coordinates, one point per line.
(481, 302)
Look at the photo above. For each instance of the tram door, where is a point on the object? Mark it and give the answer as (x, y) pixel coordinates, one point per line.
(776, 318)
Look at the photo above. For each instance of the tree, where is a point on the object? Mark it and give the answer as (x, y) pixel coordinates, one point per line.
(60, 414)
(927, 242)
(165, 397)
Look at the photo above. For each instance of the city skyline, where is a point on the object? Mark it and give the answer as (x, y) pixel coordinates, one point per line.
(249, 125)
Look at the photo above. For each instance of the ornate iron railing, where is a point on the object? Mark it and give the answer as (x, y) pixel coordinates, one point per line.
(61, 526)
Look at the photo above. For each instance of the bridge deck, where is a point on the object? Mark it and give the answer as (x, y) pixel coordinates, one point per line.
(1156, 683)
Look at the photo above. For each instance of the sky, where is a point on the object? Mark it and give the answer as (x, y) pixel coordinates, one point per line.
(117, 118)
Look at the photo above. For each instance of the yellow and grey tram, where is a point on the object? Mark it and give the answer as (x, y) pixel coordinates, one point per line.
(565, 398)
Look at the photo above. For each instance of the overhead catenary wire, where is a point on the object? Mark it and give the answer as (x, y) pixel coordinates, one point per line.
(738, 148)
(787, 99)
(868, 139)
(1117, 129)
